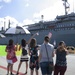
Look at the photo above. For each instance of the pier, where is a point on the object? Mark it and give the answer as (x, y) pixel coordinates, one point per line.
(3, 64)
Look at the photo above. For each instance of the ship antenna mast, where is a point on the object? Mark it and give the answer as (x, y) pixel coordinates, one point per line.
(66, 5)
(73, 5)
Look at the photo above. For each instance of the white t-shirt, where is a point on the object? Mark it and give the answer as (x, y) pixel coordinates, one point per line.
(50, 50)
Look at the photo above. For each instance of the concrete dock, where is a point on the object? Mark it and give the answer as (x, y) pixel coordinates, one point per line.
(3, 64)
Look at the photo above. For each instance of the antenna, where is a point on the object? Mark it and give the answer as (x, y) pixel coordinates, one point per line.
(42, 17)
(73, 5)
(66, 6)
(9, 24)
(4, 23)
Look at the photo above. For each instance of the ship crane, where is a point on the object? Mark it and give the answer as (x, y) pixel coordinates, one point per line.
(66, 5)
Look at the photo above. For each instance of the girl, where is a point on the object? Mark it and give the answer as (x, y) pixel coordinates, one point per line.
(24, 55)
(10, 49)
(61, 61)
(33, 52)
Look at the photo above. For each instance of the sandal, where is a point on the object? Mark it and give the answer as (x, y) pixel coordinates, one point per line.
(11, 74)
(17, 73)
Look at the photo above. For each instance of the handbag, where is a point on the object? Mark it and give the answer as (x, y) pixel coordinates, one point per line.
(51, 65)
(14, 59)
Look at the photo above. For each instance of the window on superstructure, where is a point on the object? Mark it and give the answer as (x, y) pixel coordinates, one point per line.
(64, 25)
(70, 24)
(73, 25)
(61, 25)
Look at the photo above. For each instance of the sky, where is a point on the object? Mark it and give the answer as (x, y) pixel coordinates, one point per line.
(24, 12)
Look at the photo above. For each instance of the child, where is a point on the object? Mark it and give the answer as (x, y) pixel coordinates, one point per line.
(10, 49)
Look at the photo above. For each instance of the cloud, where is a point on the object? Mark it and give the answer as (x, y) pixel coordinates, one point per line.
(1, 6)
(51, 12)
(0, 0)
(72, 5)
(6, 1)
(27, 5)
(27, 0)
(13, 22)
(27, 21)
(1, 23)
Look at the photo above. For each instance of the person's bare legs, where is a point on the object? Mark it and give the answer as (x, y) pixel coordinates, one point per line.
(32, 71)
(26, 67)
(36, 72)
(19, 67)
(11, 68)
(8, 68)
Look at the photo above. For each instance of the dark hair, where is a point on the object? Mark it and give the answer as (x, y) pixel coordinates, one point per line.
(23, 42)
(61, 42)
(46, 38)
(33, 43)
(10, 42)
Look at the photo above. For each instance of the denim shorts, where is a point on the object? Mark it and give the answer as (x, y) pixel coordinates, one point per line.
(9, 61)
(45, 68)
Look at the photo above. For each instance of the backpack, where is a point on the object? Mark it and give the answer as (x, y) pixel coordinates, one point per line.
(24, 51)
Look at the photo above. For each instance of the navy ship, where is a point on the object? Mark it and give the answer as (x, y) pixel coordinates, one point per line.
(62, 28)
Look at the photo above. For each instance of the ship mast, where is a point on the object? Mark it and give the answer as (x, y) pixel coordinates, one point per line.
(66, 5)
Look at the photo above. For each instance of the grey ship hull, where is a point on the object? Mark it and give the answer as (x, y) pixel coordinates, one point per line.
(66, 35)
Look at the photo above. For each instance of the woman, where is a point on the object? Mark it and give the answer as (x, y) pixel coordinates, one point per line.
(61, 62)
(24, 55)
(46, 56)
(33, 52)
(10, 49)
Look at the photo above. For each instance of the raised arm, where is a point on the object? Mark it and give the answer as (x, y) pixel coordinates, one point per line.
(6, 49)
(31, 38)
(19, 47)
(40, 56)
(53, 53)
(16, 47)
(29, 52)
(67, 52)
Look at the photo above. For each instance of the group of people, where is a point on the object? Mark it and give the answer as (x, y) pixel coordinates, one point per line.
(44, 59)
